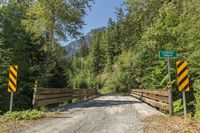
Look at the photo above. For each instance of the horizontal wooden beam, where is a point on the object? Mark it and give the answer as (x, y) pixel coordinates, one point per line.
(46, 96)
(153, 103)
(153, 97)
(52, 96)
(51, 101)
(155, 92)
(43, 91)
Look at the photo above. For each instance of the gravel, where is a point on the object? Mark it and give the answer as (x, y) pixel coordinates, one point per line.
(105, 114)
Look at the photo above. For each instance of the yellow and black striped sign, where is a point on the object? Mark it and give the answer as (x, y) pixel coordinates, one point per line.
(183, 78)
(12, 83)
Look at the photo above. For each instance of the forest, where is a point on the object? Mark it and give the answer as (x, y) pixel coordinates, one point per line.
(123, 55)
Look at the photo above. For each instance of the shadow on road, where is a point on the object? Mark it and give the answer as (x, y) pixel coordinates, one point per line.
(109, 103)
(95, 103)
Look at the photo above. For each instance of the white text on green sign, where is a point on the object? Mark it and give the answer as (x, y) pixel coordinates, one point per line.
(165, 54)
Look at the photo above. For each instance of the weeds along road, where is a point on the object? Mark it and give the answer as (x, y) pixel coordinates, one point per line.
(106, 114)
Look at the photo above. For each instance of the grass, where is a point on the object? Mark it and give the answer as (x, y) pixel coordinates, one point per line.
(24, 115)
(12, 120)
(174, 124)
(74, 100)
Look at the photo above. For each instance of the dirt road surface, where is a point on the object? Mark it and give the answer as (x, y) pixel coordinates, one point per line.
(106, 114)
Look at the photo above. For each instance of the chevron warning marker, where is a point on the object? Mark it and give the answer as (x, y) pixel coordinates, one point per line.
(182, 73)
(12, 83)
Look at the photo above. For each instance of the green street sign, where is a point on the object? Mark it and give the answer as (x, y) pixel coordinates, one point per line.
(167, 54)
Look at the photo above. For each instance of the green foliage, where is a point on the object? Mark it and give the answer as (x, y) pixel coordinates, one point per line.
(81, 75)
(107, 90)
(120, 77)
(55, 18)
(197, 97)
(97, 56)
(178, 107)
(74, 100)
(30, 32)
(24, 115)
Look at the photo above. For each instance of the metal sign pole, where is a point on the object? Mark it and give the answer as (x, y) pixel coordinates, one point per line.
(184, 103)
(97, 87)
(11, 101)
(170, 90)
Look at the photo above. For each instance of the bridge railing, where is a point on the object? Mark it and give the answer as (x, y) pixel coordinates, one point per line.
(46, 96)
(155, 98)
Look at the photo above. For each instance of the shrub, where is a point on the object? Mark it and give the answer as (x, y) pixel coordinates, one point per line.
(107, 90)
(178, 107)
(197, 98)
(121, 75)
(24, 115)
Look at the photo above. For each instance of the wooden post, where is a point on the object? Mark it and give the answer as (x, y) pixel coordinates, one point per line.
(129, 86)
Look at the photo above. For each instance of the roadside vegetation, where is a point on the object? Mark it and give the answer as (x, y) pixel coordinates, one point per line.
(30, 32)
(11, 120)
(155, 124)
(24, 115)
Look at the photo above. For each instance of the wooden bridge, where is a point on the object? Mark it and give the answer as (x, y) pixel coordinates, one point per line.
(96, 114)
(47, 96)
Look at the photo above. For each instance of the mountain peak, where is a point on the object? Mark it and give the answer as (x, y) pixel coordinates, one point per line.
(75, 46)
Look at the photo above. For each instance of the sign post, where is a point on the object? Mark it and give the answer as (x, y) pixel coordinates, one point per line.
(183, 81)
(11, 101)
(184, 103)
(12, 83)
(167, 55)
(170, 89)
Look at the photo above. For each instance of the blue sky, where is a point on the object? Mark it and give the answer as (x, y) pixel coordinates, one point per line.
(101, 11)
(99, 15)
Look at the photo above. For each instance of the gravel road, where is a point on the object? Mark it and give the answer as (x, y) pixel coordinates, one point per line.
(106, 114)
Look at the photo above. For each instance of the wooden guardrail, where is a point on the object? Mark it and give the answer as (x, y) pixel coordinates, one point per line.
(155, 98)
(47, 96)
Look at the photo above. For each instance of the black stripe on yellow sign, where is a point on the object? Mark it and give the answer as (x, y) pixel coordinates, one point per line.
(12, 83)
(182, 72)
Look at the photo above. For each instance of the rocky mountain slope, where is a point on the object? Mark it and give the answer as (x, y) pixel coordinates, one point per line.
(75, 46)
